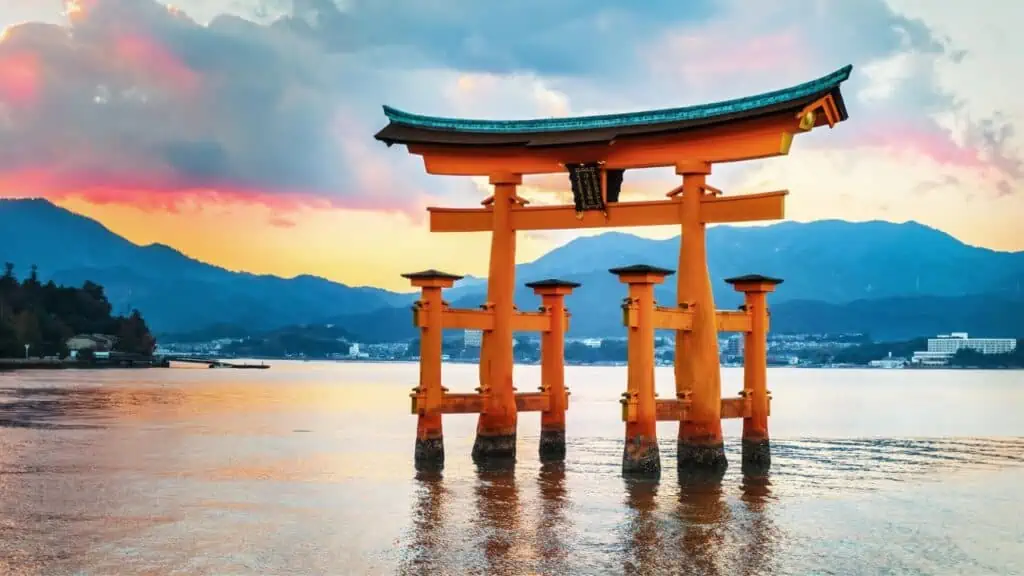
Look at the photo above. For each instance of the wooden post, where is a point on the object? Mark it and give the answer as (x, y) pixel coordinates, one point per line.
(429, 453)
(496, 428)
(696, 360)
(640, 455)
(756, 448)
(552, 367)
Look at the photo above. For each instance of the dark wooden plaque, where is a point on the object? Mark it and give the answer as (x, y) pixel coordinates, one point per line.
(586, 186)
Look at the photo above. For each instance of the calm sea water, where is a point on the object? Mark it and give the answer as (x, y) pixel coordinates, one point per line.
(306, 468)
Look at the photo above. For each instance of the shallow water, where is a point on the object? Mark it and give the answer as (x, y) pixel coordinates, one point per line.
(307, 469)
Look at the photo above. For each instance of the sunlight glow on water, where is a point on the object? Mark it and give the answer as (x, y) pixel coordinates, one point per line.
(307, 469)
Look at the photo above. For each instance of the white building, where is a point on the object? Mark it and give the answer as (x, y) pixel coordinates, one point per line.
(473, 338)
(733, 345)
(945, 346)
(888, 362)
(353, 350)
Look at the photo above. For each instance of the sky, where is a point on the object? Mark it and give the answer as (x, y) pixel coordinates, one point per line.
(241, 131)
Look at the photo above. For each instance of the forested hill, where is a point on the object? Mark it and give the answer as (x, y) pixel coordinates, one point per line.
(44, 316)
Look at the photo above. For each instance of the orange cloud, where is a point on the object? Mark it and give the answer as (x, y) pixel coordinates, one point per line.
(148, 194)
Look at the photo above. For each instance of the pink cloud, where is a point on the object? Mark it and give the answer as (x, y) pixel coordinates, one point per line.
(709, 54)
(931, 143)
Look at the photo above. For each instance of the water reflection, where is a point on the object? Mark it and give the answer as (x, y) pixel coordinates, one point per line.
(497, 504)
(642, 552)
(758, 549)
(51, 408)
(703, 532)
(427, 546)
(195, 471)
(704, 516)
(553, 526)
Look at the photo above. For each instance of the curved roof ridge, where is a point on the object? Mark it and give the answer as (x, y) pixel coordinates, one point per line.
(695, 112)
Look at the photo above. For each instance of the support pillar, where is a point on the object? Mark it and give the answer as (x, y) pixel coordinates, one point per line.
(640, 455)
(757, 457)
(698, 379)
(427, 396)
(552, 367)
(496, 428)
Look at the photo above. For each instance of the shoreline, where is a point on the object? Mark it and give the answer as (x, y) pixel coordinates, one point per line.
(616, 364)
(12, 364)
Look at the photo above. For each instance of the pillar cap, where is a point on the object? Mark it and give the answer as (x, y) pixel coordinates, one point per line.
(754, 283)
(641, 269)
(643, 273)
(552, 283)
(553, 286)
(431, 277)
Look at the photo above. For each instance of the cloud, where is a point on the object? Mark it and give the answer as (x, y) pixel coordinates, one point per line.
(281, 222)
(276, 101)
(133, 95)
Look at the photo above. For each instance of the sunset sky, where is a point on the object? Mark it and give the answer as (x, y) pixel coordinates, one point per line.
(241, 131)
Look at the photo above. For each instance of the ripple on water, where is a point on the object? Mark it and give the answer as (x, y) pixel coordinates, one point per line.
(194, 473)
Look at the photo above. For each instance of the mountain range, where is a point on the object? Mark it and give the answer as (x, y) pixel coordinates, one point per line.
(174, 292)
(890, 280)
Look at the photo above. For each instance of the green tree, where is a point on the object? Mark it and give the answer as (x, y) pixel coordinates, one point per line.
(26, 328)
(46, 315)
(133, 335)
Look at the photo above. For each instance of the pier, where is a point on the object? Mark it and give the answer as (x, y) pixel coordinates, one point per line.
(596, 151)
(215, 362)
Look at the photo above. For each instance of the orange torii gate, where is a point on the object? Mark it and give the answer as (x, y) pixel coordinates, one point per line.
(595, 151)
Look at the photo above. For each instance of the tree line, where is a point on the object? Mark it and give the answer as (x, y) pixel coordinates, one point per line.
(44, 316)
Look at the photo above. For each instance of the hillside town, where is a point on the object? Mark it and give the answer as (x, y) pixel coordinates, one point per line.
(794, 350)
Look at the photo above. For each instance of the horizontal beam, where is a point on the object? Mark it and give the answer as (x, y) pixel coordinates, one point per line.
(714, 209)
(531, 322)
(673, 409)
(749, 140)
(672, 319)
(735, 408)
(666, 318)
(743, 207)
(472, 403)
(468, 403)
(732, 321)
(532, 401)
(463, 319)
(459, 319)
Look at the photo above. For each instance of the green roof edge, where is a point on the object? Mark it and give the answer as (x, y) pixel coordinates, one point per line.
(701, 111)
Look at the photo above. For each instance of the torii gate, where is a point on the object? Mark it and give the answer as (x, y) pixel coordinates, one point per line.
(595, 151)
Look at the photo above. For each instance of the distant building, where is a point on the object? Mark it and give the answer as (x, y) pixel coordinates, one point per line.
(945, 346)
(473, 338)
(889, 362)
(591, 342)
(733, 345)
(353, 349)
(94, 342)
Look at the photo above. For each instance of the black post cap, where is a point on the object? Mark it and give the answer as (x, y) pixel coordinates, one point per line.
(552, 283)
(431, 274)
(641, 269)
(753, 278)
